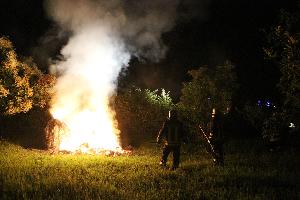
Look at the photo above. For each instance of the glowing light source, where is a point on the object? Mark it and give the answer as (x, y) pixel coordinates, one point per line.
(83, 91)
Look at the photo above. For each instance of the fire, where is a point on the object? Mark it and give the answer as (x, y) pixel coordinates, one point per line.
(89, 130)
(84, 86)
(102, 36)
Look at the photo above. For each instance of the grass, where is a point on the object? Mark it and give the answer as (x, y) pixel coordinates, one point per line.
(249, 173)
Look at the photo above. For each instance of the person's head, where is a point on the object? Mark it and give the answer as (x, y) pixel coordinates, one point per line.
(173, 114)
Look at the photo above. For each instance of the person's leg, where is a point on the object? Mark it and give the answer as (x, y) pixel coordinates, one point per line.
(221, 153)
(176, 157)
(166, 152)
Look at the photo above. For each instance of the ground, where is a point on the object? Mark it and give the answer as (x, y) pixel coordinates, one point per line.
(250, 172)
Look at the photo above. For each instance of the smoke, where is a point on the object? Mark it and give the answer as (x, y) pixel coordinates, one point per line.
(138, 25)
(194, 9)
(48, 47)
(103, 37)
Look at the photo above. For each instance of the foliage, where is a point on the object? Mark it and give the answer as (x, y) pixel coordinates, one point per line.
(140, 113)
(26, 129)
(284, 50)
(257, 114)
(273, 127)
(209, 88)
(269, 121)
(22, 84)
(32, 174)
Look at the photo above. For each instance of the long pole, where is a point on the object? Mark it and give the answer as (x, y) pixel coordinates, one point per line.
(211, 148)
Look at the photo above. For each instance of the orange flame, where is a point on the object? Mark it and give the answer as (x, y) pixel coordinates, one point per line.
(82, 92)
(89, 131)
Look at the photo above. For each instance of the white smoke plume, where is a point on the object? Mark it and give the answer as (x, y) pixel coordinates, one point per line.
(137, 24)
(104, 35)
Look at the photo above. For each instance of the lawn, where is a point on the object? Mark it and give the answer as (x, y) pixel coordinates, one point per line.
(250, 172)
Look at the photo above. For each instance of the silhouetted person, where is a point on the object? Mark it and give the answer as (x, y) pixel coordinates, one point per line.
(173, 132)
(216, 137)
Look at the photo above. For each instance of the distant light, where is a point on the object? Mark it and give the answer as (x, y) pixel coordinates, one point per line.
(292, 125)
(268, 104)
(259, 102)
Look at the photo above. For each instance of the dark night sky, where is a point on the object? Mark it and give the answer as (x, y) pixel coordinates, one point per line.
(229, 29)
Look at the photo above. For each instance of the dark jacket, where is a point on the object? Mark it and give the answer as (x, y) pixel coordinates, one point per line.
(216, 129)
(172, 131)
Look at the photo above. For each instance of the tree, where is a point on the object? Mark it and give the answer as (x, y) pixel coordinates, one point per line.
(208, 89)
(140, 113)
(284, 51)
(22, 84)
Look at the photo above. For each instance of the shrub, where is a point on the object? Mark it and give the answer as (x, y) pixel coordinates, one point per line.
(140, 113)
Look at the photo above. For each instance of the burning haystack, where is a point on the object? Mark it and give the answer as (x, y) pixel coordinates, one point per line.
(56, 131)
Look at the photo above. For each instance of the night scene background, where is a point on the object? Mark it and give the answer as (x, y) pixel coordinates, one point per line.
(86, 85)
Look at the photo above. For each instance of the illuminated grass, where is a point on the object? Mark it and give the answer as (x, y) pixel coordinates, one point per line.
(248, 174)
